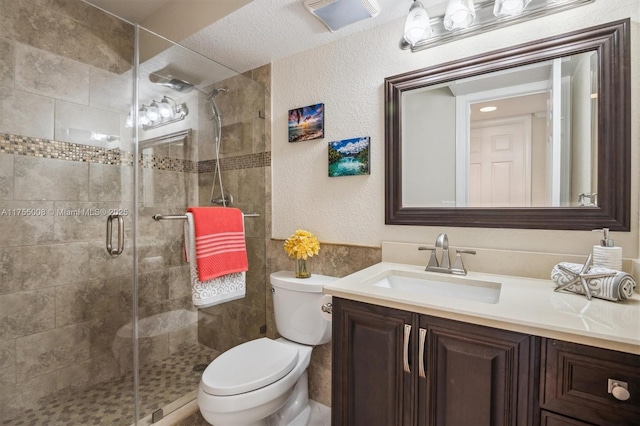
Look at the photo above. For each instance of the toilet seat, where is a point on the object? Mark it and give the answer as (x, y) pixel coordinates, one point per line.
(249, 366)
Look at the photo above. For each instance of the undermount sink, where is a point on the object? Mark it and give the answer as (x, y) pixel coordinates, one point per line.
(434, 285)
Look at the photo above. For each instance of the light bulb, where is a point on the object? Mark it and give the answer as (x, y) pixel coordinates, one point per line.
(509, 7)
(153, 113)
(460, 14)
(142, 116)
(417, 26)
(165, 109)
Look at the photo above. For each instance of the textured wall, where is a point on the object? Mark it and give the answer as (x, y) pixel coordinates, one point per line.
(348, 77)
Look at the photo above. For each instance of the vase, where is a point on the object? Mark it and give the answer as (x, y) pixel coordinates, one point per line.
(303, 268)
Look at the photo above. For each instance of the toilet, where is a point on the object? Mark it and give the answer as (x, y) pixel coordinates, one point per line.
(264, 381)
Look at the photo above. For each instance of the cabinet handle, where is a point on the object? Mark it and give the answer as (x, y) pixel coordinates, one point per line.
(405, 355)
(423, 337)
(619, 390)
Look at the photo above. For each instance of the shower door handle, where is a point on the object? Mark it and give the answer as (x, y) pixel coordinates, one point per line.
(115, 251)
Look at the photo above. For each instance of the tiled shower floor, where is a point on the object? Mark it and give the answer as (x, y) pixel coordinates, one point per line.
(111, 403)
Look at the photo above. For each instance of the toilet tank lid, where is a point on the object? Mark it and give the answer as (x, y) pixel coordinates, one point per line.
(313, 284)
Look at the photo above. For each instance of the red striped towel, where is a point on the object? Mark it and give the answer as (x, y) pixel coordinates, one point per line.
(220, 244)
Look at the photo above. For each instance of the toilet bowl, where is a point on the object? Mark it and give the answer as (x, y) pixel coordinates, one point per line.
(264, 381)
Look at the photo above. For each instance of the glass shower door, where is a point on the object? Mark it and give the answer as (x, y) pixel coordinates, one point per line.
(197, 119)
(66, 164)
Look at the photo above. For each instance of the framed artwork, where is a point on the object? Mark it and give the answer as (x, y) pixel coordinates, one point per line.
(306, 123)
(349, 157)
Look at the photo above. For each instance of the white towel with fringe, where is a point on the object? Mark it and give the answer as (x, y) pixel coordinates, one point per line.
(217, 290)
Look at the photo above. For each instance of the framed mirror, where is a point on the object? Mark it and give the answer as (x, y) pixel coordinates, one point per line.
(552, 152)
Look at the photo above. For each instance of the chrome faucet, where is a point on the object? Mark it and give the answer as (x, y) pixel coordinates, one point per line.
(444, 265)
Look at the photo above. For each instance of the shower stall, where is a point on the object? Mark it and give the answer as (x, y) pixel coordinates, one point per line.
(103, 122)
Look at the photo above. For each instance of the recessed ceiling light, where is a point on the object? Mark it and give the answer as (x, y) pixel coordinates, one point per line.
(488, 109)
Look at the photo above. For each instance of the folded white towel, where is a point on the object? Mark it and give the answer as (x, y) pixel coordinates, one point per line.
(617, 286)
(212, 292)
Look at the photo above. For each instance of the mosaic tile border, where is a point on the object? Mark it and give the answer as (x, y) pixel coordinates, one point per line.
(262, 159)
(45, 148)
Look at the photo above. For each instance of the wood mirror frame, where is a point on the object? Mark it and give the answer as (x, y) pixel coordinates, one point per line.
(611, 42)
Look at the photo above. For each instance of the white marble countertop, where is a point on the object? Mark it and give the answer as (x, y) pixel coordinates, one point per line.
(526, 305)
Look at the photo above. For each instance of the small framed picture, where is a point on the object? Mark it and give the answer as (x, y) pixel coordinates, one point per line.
(349, 157)
(306, 123)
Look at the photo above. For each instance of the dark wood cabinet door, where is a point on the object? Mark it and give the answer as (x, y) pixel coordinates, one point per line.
(575, 382)
(552, 419)
(370, 386)
(476, 375)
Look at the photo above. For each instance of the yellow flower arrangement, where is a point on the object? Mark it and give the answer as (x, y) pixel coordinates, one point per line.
(302, 245)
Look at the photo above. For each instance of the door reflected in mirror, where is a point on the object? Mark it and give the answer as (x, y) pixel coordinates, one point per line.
(521, 137)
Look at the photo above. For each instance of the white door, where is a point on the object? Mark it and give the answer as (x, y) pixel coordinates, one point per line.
(500, 164)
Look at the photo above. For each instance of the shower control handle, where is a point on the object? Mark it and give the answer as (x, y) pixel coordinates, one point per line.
(115, 251)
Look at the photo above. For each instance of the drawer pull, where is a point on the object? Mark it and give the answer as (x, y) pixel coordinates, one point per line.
(619, 390)
(405, 354)
(423, 336)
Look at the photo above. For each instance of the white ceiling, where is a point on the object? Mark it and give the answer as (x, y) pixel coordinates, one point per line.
(264, 30)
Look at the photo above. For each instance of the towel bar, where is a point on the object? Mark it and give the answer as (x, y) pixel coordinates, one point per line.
(184, 216)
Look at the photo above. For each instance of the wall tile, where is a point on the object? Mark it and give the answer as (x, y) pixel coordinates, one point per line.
(6, 177)
(7, 270)
(19, 229)
(103, 265)
(76, 123)
(77, 221)
(26, 114)
(7, 362)
(110, 182)
(26, 313)
(183, 338)
(74, 377)
(109, 334)
(44, 73)
(69, 28)
(110, 91)
(85, 301)
(153, 287)
(48, 179)
(7, 63)
(320, 374)
(51, 265)
(51, 350)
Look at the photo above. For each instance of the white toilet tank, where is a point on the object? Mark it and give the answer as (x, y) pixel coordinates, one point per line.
(297, 305)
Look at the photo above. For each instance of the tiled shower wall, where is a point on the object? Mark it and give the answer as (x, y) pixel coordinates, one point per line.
(65, 304)
(243, 162)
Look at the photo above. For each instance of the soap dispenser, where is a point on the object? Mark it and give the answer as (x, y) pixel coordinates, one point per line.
(606, 255)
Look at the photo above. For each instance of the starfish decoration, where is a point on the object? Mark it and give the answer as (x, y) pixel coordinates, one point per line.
(582, 277)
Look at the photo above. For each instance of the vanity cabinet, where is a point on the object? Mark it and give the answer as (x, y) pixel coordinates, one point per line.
(393, 367)
(575, 384)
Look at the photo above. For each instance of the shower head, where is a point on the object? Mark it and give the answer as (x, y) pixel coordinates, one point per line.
(215, 92)
(173, 83)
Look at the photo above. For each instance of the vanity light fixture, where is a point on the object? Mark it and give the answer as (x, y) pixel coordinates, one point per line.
(417, 27)
(159, 114)
(488, 109)
(459, 14)
(464, 18)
